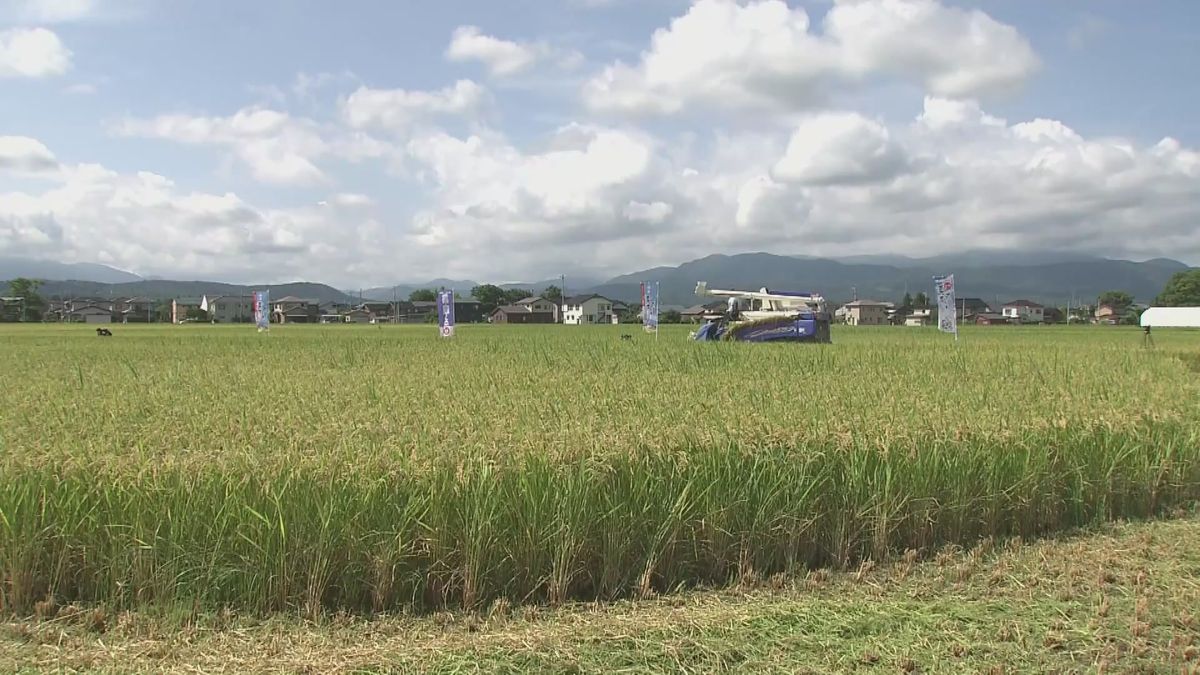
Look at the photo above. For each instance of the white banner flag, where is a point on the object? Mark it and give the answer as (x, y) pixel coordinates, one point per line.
(947, 311)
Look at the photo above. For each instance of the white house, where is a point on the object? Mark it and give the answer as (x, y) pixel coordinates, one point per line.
(919, 316)
(581, 309)
(1024, 311)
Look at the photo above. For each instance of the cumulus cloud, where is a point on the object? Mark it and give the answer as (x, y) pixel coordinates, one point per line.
(505, 57)
(32, 52)
(399, 109)
(765, 54)
(25, 155)
(502, 57)
(953, 178)
(843, 148)
(276, 147)
(146, 222)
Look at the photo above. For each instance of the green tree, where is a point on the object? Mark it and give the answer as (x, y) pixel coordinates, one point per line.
(24, 288)
(197, 314)
(514, 295)
(489, 296)
(1183, 290)
(1119, 300)
(907, 302)
(671, 316)
(921, 300)
(423, 295)
(553, 294)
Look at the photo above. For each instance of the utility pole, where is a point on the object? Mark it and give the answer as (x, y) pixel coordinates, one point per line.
(562, 301)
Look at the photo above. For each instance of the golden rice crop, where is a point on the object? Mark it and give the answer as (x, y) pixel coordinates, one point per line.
(381, 468)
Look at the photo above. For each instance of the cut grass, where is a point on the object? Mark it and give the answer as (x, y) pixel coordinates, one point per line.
(1125, 598)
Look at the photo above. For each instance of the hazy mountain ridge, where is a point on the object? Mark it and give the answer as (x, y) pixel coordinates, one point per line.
(11, 268)
(1080, 280)
(166, 289)
(1046, 277)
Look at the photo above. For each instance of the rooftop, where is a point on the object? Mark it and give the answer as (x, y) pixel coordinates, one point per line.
(1023, 303)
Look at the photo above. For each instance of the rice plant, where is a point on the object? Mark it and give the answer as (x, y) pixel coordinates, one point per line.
(341, 467)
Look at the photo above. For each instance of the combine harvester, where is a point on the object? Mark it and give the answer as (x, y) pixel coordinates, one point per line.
(765, 316)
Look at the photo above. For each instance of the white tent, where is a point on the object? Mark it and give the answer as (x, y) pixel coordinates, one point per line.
(1180, 317)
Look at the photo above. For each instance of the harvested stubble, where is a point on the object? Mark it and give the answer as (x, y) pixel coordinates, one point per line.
(364, 469)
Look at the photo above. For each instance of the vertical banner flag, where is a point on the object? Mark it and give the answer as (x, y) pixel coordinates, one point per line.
(262, 310)
(947, 310)
(446, 313)
(650, 306)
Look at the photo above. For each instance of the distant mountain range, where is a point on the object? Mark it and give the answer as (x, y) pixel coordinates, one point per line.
(164, 289)
(996, 277)
(11, 268)
(1046, 278)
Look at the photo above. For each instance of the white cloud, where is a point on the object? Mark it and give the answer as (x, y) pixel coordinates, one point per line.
(145, 222)
(502, 57)
(505, 58)
(32, 52)
(840, 148)
(25, 155)
(614, 199)
(763, 54)
(654, 212)
(48, 11)
(276, 147)
(399, 109)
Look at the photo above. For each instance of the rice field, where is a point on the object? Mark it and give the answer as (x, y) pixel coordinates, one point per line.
(372, 469)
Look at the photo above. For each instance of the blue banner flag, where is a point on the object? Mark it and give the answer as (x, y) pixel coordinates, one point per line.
(446, 313)
(262, 309)
(650, 306)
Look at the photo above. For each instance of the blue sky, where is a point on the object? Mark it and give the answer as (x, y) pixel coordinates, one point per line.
(378, 142)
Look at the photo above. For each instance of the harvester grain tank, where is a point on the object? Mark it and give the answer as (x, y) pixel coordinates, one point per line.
(765, 316)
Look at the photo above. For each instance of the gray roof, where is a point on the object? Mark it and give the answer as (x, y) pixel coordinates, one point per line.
(580, 299)
(867, 303)
(532, 299)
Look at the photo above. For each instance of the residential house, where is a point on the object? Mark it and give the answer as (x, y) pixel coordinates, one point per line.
(380, 311)
(417, 311)
(90, 314)
(695, 313)
(181, 306)
(971, 306)
(359, 315)
(425, 311)
(291, 309)
(333, 309)
(866, 313)
(919, 316)
(12, 309)
(590, 308)
(991, 319)
(134, 310)
(231, 308)
(467, 311)
(1024, 311)
(539, 304)
(520, 314)
(1110, 315)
